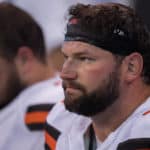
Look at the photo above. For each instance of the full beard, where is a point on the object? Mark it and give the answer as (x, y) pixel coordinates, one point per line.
(89, 104)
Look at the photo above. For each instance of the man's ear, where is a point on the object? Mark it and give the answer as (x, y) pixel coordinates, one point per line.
(24, 60)
(24, 55)
(134, 66)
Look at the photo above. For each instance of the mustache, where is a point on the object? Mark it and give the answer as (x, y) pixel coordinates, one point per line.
(72, 84)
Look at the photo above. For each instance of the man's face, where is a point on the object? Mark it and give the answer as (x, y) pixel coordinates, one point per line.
(90, 78)
(10, 84)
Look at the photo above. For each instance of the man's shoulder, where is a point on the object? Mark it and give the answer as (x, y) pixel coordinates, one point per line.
(138, 124)
(141, 125)
(137, 134)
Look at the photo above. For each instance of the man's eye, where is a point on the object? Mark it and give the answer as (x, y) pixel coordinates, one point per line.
(86, 59)
(65, 57)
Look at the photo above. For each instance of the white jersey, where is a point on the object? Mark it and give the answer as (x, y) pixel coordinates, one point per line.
(60, 121)
(133, 134)
(21, 122)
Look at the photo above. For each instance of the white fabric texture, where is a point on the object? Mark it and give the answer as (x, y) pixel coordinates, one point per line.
(73, 128)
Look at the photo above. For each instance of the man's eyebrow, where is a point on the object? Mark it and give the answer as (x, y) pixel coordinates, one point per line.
(83, 52)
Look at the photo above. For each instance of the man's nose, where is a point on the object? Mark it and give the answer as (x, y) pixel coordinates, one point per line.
(68, 72)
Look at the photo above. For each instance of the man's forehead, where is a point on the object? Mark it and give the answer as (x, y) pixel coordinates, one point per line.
(79, 48)
(77, 45)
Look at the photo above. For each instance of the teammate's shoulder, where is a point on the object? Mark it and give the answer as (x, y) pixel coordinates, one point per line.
(36, 114)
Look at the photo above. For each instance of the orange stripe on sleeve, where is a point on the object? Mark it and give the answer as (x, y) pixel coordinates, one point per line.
(147, 112)
(50, 141)
(34, 117)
